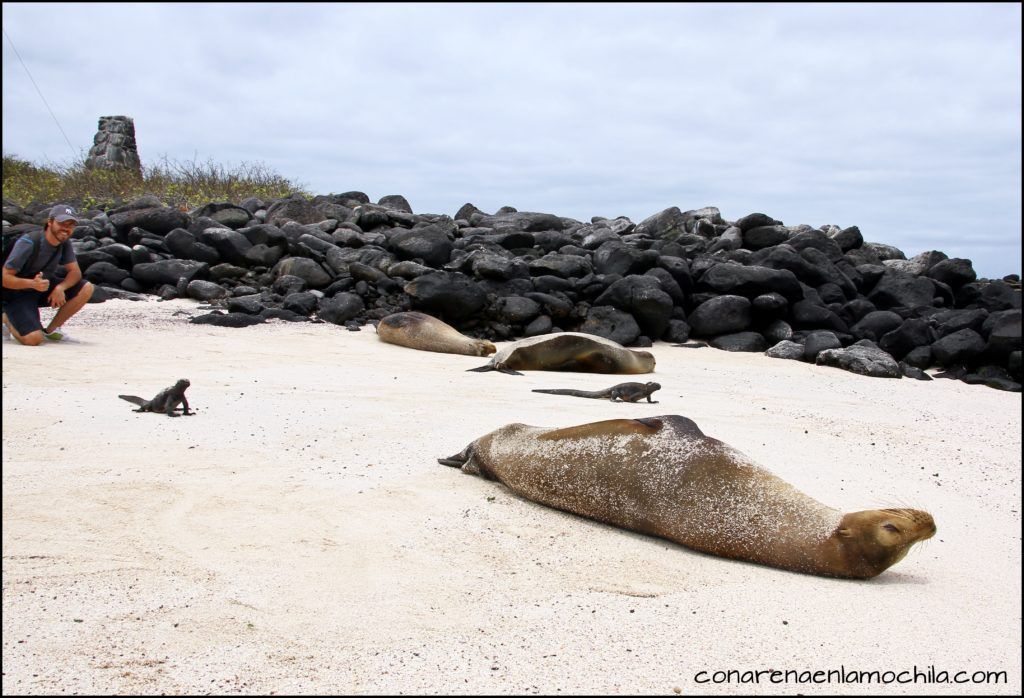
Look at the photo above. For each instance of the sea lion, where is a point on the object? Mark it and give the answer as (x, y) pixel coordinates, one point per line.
(166, 401)
(426, 333)
(663, 477)
(623, 392)
(569, 351)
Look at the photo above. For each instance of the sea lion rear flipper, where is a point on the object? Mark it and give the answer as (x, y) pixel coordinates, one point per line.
(133, 399)
(482, 369)
(465, 461)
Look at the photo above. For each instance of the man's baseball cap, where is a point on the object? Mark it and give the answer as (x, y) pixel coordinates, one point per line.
(63, 212)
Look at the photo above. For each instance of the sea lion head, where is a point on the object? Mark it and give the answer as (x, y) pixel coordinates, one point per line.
(484, 348)
(645, 360)
(876, 539)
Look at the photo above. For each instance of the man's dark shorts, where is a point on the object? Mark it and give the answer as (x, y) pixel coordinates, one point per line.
(22, 305)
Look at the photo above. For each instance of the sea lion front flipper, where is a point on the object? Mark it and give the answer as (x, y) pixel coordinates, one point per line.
(135, 400)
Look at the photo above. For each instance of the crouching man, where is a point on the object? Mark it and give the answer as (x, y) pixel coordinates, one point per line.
(42, 270)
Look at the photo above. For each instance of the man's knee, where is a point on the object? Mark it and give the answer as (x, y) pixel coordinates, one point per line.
(86, 292)
(32, 339)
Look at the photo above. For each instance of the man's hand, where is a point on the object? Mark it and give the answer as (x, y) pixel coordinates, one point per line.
(41, 284)
(57, 298)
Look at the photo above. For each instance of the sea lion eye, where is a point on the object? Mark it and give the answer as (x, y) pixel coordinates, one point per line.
(889, 527)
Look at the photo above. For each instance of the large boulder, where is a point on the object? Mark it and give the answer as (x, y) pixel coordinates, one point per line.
(169, 271)
(295, 209)
(865, 359)
(159, 220)
(644, 299)
(611, 323)
(720, 315)
(900, 289)
(739, 341)
(913, 333)
(565, 266)
(340, 308)
(734, 279)
(876, 324)
(953, 272)
(668, 224)
(429, 243)
(961, 347)
(450, 295)
(306, 269)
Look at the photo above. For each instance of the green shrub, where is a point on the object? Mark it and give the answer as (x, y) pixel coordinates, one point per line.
(184, 185)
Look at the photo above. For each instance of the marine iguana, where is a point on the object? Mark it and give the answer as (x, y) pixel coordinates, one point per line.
(623, 392)
(166, 400)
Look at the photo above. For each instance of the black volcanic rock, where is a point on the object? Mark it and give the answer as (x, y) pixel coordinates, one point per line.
(764, 236)
(954, 272)
(817, 342)
(959, 348)
(913, 333)
(451, 295)
(739, 341)
(430, 244)
(897, 288)
(340, 308)
(168, 271)
(755, 220)
(611, 323)
(876, 324)
(866, 360)
(644, 299)
(668, 224)
(564, 266)
(720, 315)
(158, 220)
(734, 279)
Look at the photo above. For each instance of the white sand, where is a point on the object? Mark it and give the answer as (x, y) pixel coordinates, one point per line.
(298, 535)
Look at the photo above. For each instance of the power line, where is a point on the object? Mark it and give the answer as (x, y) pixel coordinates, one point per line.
(73, 153)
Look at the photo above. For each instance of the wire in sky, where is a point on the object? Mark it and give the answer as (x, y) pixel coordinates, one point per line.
(73, 153)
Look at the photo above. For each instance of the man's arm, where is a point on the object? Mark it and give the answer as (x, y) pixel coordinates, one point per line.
(11, 280)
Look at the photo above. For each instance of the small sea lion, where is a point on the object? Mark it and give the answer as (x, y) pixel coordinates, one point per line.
(623, 392)
(569, 351)
(663, 477)
(166, 400)
(426, 333)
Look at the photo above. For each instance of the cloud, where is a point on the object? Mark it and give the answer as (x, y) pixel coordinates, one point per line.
(904, 119)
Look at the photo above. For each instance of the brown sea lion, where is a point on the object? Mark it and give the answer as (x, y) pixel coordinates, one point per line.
(663, 477)
(569, 351)
(426, 333)
(623, 392)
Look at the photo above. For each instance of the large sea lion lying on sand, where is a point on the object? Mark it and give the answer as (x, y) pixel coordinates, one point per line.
(662, 476)
(427, 333)
(569, 351)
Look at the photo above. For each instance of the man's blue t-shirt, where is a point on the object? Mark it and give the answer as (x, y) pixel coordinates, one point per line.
(46, 261)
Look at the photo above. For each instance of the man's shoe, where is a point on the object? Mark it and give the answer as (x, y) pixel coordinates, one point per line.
(56, 335)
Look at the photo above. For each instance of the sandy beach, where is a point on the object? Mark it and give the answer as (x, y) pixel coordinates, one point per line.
(297, 535)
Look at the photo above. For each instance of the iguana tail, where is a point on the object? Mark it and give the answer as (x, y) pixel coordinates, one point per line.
(597, 394)
(133, 399)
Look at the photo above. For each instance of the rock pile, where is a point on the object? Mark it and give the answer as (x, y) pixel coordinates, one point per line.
(114, 145)
(820, 295)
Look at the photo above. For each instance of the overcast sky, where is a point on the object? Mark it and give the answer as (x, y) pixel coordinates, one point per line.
(902, 119)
